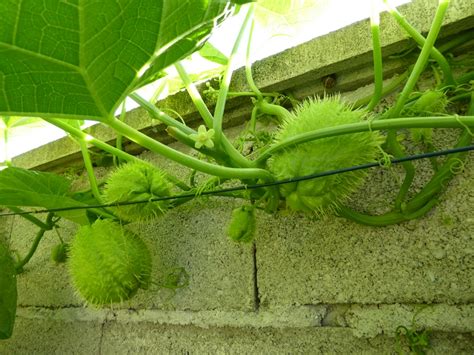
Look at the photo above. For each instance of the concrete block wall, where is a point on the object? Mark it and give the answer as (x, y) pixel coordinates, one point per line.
(306, 286)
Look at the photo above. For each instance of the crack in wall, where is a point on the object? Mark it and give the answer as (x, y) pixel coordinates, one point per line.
(101, 336)
(255, 278)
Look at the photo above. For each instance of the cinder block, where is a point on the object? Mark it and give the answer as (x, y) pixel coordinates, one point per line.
(49, 334)
(332, 260)
(43, 283)
(193, 237)
(147, 337)
(369, 321)
(190, 237)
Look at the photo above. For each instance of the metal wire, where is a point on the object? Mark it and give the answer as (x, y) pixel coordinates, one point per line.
(256, 186)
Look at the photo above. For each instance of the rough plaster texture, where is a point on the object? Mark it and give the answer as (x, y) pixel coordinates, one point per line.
(220, 273)
(309, 286)
(51, 336)
(150, 338)
(430, 260)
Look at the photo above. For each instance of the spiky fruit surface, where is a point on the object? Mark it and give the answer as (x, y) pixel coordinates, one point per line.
(431, 102)
(242, 224)
(108, 264)
(325, 193)
(59, 253)
(137, 182)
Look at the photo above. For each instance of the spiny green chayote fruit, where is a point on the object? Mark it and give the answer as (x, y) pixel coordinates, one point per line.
(108, 264)
(137, 182)
(242, 224)
(59, 253)
(431, 102)
(325, 193)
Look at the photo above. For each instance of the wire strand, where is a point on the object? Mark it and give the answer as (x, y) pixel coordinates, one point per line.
(255, 186)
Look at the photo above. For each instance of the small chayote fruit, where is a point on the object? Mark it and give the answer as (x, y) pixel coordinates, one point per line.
(242, 224)
(329, 192)
(59, 253)
(134, 182)
(108, 263)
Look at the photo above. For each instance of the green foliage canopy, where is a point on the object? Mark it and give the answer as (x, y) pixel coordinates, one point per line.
(80, 58)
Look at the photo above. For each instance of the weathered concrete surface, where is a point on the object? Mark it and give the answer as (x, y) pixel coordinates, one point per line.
(333, 260)
(151, 338)
(220, 272)
(48, 335)
(43, 283)
(370, 321)
(88, 331)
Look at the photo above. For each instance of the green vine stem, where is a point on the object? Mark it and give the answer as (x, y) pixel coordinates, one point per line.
(49, 224)
(184, 159)
(248, 64)
(396, 149)
(206, 115)
(446, 171)
(119, 139)
(160, 115)
(438, 181)
(195, 95)
(377, 56)
(424, 200)
(392, 124)
(90, 171)
(89, 168)
(392, 143)
(420, 40)
(466, 78)
(393, 217)
(28, 217)
(224, 87)
(275, 110)
(107, 148)
(422, 58)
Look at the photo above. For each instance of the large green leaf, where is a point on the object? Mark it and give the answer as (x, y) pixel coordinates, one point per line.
(21, 187)
(80, 58)
(8, 293)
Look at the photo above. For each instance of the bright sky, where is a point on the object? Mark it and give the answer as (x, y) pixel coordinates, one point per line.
(273, 33)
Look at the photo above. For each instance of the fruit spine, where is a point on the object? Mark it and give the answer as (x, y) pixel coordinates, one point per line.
(135, 182)
(325, 193)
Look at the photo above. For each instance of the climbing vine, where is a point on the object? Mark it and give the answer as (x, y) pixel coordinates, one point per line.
(109, 264)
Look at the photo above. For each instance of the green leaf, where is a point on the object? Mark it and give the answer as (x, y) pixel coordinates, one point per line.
(202, 17)
(209, 52)
(8, 293)
(80, 58)
(21, 187)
